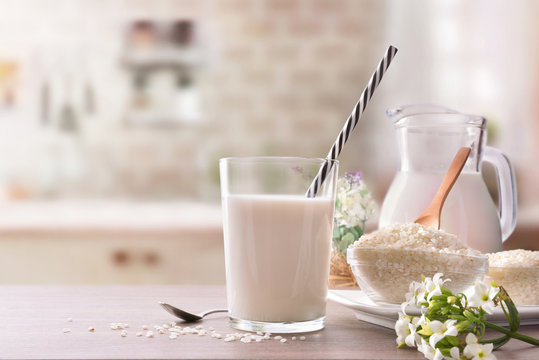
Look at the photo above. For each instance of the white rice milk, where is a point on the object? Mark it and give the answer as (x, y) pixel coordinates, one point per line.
(277, 251)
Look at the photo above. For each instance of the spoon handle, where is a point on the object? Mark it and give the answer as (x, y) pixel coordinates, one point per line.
(212, 312)
(431, 215)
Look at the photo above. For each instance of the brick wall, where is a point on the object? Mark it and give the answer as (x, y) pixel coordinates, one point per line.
(278, 78)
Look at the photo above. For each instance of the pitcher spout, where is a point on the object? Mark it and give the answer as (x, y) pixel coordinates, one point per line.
(418, 115)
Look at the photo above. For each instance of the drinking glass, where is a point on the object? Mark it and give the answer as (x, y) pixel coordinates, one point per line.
(277, 242)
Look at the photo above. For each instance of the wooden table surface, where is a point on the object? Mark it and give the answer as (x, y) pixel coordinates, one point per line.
(32, 319)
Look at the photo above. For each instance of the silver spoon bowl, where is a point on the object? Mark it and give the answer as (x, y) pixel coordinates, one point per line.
(187, 316)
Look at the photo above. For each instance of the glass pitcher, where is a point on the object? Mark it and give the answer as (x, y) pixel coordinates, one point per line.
(429, 136)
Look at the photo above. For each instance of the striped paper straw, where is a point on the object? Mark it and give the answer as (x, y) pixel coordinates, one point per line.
(352, 120)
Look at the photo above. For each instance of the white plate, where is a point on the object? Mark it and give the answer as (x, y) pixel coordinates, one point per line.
(386, 315)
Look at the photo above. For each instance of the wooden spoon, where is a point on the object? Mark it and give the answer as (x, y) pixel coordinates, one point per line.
(431, 215)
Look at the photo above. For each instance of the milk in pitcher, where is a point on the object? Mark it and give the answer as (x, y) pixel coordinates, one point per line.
(468, 212)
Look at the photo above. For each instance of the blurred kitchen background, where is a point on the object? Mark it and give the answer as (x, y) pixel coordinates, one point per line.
(114, 113)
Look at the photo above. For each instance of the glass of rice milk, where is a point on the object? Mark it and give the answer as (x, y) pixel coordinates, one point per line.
(277, 242)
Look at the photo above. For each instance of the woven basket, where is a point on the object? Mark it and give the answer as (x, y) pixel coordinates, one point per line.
(340, 273)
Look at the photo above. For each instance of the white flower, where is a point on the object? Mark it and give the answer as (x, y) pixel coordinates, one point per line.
(438, 355)
(429, 352)
(413, 338)
(425, 349)
(421, 292)
(422, 320)
(479, 352)
(441, 330)
(415, 295)
(436, 291)
(437, 279)
(402, 329)
(476, 351)
(471, 339)
(406, 328)
(455, 353)
(434, 286)
(482, 296)
(355, 204)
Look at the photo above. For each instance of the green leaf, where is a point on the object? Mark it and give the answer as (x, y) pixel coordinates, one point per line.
(435, 307)
(457, 317)
(514, 316)
(348, 238)
(501, 343)
(426, 332)
(498, 342)
(445, 351)
(446, 291)
(452, 340)
(470, 315)
(445, 310)
(354, 231)
(463, 325)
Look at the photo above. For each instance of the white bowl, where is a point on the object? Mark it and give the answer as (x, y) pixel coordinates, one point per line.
(521, 283)
(385, 274)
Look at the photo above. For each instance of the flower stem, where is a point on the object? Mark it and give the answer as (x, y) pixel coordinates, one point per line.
(513, 334)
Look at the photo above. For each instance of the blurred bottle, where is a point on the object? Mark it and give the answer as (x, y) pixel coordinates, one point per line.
(89, 99)
(70, 156)
(68, 118)
(45, 102)
(8, 84)
(142, 35)
(140, 99)
(182, 33)
(187, 99)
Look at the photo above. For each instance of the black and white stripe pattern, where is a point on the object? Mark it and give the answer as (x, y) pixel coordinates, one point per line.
(352, 121)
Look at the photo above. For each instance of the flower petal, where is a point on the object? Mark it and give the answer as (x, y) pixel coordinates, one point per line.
(435, 325)
(471, 350)
(455, 353)
(471, 338)
(434, 338)
(493, 292)
(452, 331)
(438, 355)
(410, 340)
(487, 348)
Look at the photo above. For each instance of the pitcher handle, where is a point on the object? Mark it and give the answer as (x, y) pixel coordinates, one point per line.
(507, 190)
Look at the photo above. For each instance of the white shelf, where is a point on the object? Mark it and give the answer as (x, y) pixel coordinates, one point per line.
(117, 216)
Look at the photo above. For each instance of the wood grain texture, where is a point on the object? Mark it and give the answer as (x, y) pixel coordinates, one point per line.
(32, 319)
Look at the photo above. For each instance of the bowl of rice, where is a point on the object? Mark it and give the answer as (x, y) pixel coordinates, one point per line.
(518, 272)
(386, 261)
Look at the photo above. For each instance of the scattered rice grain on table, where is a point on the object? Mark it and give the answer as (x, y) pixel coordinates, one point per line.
(174, 331)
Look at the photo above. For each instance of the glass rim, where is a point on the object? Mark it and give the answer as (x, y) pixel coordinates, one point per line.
(411, 116)
(276, 160)
(413, 122)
